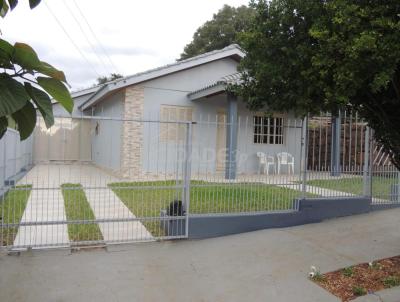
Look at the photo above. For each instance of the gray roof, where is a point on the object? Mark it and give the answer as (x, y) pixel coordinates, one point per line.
(216, 87)
(233, 51)
(85, 91)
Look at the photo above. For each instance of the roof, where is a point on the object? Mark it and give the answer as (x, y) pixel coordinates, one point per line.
(215, 88)
(84, 91)
(234, 51)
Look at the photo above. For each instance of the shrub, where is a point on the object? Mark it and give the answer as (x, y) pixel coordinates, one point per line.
(348, 271)
(391, 281)
(359, 291)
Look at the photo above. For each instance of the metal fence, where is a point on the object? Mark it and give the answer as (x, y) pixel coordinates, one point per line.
(102, 180)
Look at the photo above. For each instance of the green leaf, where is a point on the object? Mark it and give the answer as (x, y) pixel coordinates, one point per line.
(12, 95)
(25, 56)
(13, 3)
(5, 61)
(34, 3)
(6, 51)
(26, 120)
(58, 91)
(6, 47)
(43, 103)
(3, 8)
(52, 72)
(3, 126)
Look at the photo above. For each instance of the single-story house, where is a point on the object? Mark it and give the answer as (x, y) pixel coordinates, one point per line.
(125, 125)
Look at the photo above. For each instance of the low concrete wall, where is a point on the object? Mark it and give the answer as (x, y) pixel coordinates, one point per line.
(310, 211)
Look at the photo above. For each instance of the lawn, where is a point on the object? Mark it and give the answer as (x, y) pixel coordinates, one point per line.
(12, 207)
(146, 199)
(381, 186)
(78, 208)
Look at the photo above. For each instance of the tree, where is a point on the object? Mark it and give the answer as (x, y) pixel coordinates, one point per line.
(219, 32)
(311, 56)
(27, 83)
(105, 79)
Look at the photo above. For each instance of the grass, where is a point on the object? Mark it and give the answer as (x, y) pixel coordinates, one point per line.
(348, 271)
(359, 291)
(146, 199)
(78, 208)
(12, 207)
(391, 281)
(381, 187)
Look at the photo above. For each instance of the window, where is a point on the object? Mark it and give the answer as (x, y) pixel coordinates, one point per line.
(173, 132)
(268, 130)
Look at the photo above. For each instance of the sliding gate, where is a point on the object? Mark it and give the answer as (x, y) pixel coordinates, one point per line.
(113, 181)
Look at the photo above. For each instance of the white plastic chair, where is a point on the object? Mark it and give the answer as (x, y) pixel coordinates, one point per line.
(265, 162)
(285, 159)
(261, 161)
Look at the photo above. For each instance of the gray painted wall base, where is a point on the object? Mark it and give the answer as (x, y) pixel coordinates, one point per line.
(311, 210)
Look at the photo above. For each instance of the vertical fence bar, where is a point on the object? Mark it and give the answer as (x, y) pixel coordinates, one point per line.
(366, 174)
(187, 175)
(304, 146)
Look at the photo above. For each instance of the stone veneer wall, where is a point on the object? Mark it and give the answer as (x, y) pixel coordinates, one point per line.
(132, 133)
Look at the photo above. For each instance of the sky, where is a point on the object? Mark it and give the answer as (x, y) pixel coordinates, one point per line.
(91, 38)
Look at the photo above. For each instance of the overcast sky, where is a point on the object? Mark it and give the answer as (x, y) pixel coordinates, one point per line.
(136, 34)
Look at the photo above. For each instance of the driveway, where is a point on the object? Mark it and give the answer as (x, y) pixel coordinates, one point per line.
(46, 204)
(268, 265)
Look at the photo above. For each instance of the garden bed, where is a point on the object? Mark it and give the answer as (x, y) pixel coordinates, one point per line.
(358, 280)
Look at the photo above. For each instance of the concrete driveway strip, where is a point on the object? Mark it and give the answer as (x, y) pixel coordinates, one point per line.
(267, 265)
(43, 206)
(106, 205)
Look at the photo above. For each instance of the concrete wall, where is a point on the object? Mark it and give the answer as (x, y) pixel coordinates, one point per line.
(106, 140)
(311, 210)
(15, 156)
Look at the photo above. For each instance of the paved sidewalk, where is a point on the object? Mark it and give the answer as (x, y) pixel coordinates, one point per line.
(267, 265)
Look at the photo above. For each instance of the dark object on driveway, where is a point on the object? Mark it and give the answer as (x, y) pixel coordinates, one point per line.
(175, 208)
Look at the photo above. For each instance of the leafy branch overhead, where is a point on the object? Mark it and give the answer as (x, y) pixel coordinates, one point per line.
(312, 56)
(27, 84)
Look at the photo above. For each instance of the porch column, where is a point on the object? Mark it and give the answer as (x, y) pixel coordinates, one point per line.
(335, 145)
(231, 136)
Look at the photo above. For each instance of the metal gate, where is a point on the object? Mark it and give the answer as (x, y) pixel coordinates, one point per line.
(113, 181)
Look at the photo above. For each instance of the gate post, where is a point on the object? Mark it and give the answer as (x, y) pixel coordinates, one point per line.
(335, 144)
(304, 142)
(366, 171)
(187, 175)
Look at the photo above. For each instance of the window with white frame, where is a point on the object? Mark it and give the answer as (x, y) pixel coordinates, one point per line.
(268, 130)
(172, 131)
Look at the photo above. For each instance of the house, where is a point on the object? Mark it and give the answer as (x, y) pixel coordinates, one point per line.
(138, 125)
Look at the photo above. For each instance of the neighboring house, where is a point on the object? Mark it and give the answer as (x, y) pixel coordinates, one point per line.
(190, 90)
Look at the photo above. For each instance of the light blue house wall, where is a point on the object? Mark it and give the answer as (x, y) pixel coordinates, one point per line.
(106, 140)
